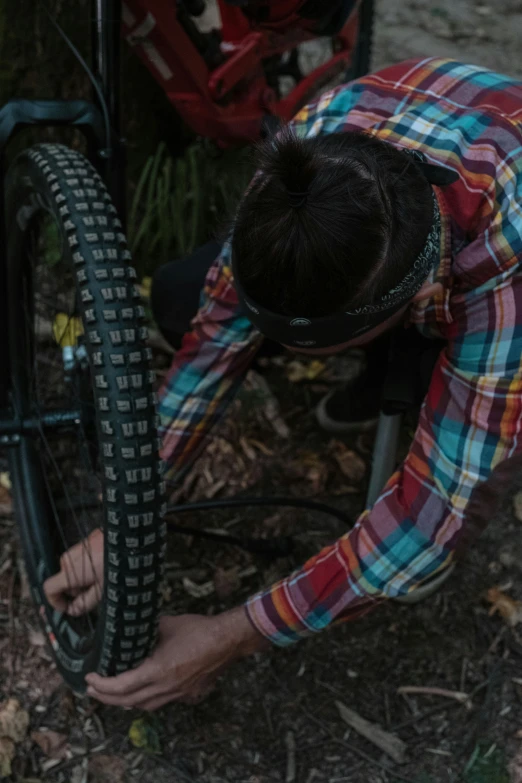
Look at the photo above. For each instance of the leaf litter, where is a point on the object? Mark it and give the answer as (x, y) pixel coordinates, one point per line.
(508, 608)
(52, 743)
(14, 722)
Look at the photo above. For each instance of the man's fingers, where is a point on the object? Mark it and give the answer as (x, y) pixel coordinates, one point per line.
(124, 684)
(113, 701)
(85, 601)
(55, 588)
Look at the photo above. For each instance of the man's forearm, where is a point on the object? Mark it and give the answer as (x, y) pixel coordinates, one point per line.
(238, 634)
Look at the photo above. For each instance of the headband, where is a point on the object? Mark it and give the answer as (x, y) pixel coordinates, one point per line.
(341, 327)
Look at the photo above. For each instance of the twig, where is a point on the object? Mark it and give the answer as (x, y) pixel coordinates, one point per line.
(494, 644)
(463, 672)
(439, 708)
(384, 740)
(387, 709)
(462, 698)
(413, 711)
(268, 718)
(270, 404)
(419, 717)
(290, 758)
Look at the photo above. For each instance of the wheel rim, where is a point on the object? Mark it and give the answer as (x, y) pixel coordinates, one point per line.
(67, 459)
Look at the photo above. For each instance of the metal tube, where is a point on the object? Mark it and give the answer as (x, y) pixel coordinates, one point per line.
(10, 425)
(384, 455)
(5, 366)
(106, 54)
(105, 48)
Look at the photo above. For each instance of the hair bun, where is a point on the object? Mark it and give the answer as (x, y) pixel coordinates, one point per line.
(286, 159)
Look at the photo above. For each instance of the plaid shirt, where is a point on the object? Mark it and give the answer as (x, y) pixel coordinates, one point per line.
(470, 120)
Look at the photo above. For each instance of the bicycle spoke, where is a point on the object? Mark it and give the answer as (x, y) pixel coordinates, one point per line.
(66, 458)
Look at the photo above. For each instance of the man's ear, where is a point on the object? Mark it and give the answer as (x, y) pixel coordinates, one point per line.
(427, 291)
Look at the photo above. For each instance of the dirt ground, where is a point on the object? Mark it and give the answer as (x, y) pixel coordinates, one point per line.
(283, 704)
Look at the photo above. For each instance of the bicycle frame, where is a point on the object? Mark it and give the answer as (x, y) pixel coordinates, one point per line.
(87, 117)
(228, 102)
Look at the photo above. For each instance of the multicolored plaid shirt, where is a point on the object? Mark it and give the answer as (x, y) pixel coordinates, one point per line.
(470, 120)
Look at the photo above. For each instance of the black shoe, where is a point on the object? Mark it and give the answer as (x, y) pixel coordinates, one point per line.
(353, 407)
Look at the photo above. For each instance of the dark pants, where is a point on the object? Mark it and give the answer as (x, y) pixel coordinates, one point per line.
(176, 290)
(175, 296)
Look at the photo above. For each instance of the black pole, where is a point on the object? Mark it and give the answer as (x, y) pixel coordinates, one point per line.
(4, 322)
(105, 48)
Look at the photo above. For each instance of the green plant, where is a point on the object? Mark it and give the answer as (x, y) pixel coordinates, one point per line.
(486, 765)
(178, 203)
(52, 241)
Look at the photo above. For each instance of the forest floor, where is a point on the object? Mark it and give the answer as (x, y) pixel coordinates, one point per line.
(281, 706)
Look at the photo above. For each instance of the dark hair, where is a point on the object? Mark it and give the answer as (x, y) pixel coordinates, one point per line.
(365, 218)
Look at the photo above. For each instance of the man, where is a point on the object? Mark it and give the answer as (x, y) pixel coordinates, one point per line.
(395, 198)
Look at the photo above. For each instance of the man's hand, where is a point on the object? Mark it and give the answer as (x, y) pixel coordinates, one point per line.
(78, 585)
(192, 651)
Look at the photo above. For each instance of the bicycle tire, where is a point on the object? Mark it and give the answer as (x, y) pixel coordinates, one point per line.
(363, 48)
(60, 181)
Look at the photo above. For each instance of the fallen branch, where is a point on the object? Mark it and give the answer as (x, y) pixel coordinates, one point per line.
(384, 740)
(462, 698)
(290, 759)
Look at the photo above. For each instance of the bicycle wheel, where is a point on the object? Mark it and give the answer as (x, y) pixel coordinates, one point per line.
(363, 49)
(77, 345)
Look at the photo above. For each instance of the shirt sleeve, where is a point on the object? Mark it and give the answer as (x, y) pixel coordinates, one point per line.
(207, 371)
(469, 423)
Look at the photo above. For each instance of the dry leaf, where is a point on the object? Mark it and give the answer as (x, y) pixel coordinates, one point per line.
(6, 502)
(6, 558)
(297, 371)
(143, 735)
(53, 744)
(351, 464)
(79, 773)
(107, 769)
(198, 591)
(14, 721)
(262, 448)
(517, 506)
(506, 606)
(247, 448)
(226, 581)
(311, 467)
(7, 754)
(36, 638)
(145, 287)
(318, 476)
